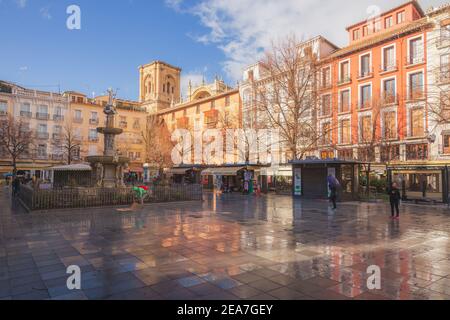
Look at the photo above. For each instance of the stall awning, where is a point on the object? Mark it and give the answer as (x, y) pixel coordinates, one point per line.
(181, 171)
(221, 171)
(72, 167)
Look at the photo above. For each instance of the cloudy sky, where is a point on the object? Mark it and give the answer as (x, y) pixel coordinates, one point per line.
(204, 37)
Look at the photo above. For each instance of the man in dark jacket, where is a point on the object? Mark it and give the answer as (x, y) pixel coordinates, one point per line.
(394, 198)
(16, 186)
(333, 185)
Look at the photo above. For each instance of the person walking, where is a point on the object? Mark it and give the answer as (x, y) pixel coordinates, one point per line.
(15, 187)
(394, 198)
(333, 185)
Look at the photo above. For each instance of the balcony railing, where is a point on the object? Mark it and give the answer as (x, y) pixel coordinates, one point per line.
(57, 157)
(388, 99)
(42, 156)
(363, 74)
(413, 60)
(43, 135)
(57, 136)
(444, 74)
(3, 113)
(416, 94)
(325, 85)
(42, 116)
(123, 124)
(365, 104)
(389, 67)
(417, 152)
(26, 114)
(93, 139)
(344, 80)
(94, 121)
(57, 117)
(78, 120)
(443, 40)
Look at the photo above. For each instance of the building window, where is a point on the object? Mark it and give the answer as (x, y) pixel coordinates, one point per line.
(326, 133)
(227, 101)
(388, 22)
(416, 52)
(416, 152)
(3, 107)
(326, 105)
(344, 101)
(389, 125)
(365, 31)
(417, 122)
(444, 107)
(390, 153)
(326, 77)
(345, 137)
(356, 34)
(389, 62)
(25, 110)
(445, 68)
(42, 128)
(365, 69)
(366, 129)
(78, 114)
(416, 89)
(389, 95)
(42, 151)
(197, 109)
(401, 17)
(344, 72)
(377, 26)
(365, 100)
(80, 100)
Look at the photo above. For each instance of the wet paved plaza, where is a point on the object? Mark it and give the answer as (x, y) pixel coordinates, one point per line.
(228, 247)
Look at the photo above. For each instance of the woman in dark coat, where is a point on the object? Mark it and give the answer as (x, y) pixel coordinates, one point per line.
(394, 198)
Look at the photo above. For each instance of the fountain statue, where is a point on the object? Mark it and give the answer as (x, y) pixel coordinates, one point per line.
(109, 168)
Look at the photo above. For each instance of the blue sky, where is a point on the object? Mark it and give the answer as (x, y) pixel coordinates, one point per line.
(203, 37)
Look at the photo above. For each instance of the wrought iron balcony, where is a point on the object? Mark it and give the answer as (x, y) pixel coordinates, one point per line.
(413, 60)
(57, 117)
(42, 116)
(94, 121)
(26, 114)
(344, 80)
(364, 74)
(78, 120)
(389, 67)
(389, 99)
(43, 135)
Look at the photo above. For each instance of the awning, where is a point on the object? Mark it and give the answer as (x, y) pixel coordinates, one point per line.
(179, 171)
(72, 167)
(222, 171)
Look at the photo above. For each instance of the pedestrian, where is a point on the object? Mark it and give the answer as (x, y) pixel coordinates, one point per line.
(394, 198)
(16, 186)
(333, 185)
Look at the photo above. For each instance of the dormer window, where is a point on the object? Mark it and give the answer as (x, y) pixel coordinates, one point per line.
(365, 31)
(388, 22)
(356, 34)
(377, 26)
(400, 17)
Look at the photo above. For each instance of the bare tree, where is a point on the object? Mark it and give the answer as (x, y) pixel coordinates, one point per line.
(68, 143)
(286, 98)
(16, 139)
(158, 144)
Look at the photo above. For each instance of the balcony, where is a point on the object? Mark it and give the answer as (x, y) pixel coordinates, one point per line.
(363, 105)
(344, 80)
(136, 126)
(42, 116)
(26, 114)
(444, 75)
(389, 67)
(326, 85)
(43, 135)
(416, 94)
(389, 99)
(78, 120)
(443, 41)
(3, 113)
(94, 121)
(57, 117)
(415, 60)
(57, 136)
(365, 74)
(93, 139)
(345, 108)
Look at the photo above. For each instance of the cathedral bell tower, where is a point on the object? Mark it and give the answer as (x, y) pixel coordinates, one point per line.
(159, 86)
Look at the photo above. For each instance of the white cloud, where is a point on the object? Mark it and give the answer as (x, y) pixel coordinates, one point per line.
(21, 3)
(243, 29)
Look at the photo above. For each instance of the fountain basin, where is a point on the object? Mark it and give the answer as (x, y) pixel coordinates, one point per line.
(107, 160)
(113, 131)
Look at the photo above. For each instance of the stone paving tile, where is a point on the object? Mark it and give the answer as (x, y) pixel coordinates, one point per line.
(233, 247)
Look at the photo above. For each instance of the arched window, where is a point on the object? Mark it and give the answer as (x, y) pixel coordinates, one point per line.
(173, 90)
(164, 88)
(149, 87)
(168, 87)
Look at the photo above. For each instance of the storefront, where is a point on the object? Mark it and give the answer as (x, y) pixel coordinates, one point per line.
(184, 175)
(419, 181)
(277, 179)
(310, 178)
(232, 178)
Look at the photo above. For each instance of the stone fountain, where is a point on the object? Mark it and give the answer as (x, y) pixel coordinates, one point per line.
(108, 169)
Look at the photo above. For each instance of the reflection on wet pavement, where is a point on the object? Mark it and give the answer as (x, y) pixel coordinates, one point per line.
(228, 247)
